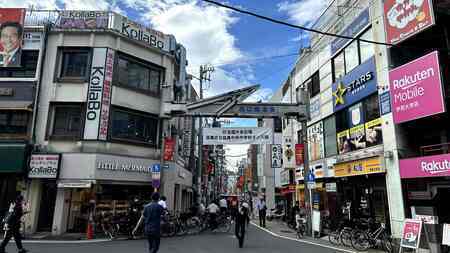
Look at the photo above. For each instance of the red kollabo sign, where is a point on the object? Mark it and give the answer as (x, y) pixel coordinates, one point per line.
(416, 90)
(404, 18)
(169, 148)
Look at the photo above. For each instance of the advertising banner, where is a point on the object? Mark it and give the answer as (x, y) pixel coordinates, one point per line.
(361, 82)
(276, 155)
(343, 141)
(44, 166)
(405, 18)
(411, 234)
(299, 154)
(237, 135)
(288, 155)
(106, 96)
(11, 36)
(374, 135)
(316, 142)
(416, 89)
(425, 166)
(356, 115)
(169, 148)
(356, 26)
(357, 137)
(156, 175)
(95, 94)
(359, 167)
(385, 103)
(82, 19)
(284, 176)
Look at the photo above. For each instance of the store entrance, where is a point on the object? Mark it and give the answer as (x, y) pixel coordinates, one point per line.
(47, 208)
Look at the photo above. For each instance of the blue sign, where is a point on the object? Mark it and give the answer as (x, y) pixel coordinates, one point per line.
(311, 177)
(385, 103)
(356, 85)
(156, 168)
(361, 22)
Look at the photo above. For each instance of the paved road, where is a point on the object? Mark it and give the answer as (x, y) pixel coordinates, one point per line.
(257, 241)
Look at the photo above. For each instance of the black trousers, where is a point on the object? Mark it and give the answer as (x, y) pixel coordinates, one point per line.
(153, 243)
(13, 231)
(239, 231)
(262, 218)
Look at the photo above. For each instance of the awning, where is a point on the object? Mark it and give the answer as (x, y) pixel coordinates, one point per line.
(75, 183)
(16, 105)
(12, 157)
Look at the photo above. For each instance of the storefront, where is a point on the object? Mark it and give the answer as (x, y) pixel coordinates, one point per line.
(91, 184)
(361, 185)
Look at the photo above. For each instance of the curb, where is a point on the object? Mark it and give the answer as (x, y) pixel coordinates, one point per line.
(304, 241)
(66, 242)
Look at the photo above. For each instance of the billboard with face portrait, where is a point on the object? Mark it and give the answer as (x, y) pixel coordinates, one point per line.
(11, 36)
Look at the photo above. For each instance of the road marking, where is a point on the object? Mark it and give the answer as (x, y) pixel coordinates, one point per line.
(303, 241)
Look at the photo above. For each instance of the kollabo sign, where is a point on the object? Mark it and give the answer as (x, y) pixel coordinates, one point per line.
(44, 166)
(416, 90)
(425, 166)
(404, 18)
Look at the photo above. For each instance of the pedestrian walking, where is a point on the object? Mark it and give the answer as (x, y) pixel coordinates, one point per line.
(262, 208)
(162, 202)
(213, 209)
(12, 225)
(242, 217)
(223, 205)
(152, 223)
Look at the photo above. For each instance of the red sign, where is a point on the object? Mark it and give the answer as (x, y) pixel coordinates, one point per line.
(411, 233)
(288, 189)
(169, 148)
(405, 18)
(299, 154)
(12, 20)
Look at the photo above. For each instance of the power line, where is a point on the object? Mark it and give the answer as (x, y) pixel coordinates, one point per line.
(294, 26)
(255, 59)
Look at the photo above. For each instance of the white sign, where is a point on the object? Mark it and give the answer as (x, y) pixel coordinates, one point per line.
(141, 33)
(300, 173)
(330, 187)
(284, 177)
(237, 135)
(106, 96)
(427, 219)
(316, 221)
(95, 93)
(32, 40)
(276, 155)
(44, 166)
(75, 184)
(288, 153)
(315, 142)
(446, 234)
(123, 165)
(260, 164)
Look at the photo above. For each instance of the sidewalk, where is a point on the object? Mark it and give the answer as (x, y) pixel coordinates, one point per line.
(280, 229)
(47, 237)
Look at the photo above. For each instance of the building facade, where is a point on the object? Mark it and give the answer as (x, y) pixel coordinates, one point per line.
(96, 92)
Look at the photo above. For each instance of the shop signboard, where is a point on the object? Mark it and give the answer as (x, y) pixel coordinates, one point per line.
(11, 48)
(82, 19)
(411, 234)
(141, 33)
(361, 82)
(425, 166)
(317, 170)
(99, 95)
(405, 18)
(356, 115)
(276, 155)
(299, 174)
(356, 26)
(44, 166)
(416, 89)
(237, 135)
(385, 103)
(284, 176)
(374, 135)
(343, 141)
(169, 148)
(330, 187)
(360, 167)
(32, 40)
(156, 175)
(329, 170)
(299, 154)
(316, 220)
(314, 108)
(446, 234)
(316, 142)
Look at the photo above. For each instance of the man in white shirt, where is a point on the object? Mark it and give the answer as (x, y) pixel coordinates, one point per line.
(11, 41)
(223, 205)
(261, 206)
(212, 210)
(162, 202)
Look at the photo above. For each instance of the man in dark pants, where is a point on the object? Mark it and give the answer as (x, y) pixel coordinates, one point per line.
(12, 225)
(152, 223)
(241, 219)
(261, 206)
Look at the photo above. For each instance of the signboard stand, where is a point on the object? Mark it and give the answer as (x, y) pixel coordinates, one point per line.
(411, 234)
(311, 185)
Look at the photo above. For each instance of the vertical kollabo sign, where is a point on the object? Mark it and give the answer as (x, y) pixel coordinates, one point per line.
(416, 90)
(404, 18)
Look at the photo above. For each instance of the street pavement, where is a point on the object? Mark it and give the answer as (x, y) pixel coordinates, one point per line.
(257, 241)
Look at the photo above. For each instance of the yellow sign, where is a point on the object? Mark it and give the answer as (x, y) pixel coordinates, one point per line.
(300, 187)
(359, 167)
(339, 94)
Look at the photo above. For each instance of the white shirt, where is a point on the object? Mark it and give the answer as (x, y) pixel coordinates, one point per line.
(213, 208)
(163, 204)
(223, 203)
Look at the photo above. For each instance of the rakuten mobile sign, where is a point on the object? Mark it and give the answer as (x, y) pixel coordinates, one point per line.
(416, 89)
(426, 166)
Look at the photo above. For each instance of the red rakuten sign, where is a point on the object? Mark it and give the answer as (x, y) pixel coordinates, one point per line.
(425, 166)
(404, 18)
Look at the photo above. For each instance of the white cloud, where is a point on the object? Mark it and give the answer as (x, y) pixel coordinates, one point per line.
(42, 4)
(303, 12)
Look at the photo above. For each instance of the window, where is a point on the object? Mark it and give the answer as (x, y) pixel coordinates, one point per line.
(14, 122)
(371, 108)
(329, 127)
(341, 120)
(74, 63)
(313, 84)
(338, 66)
(130, 126)
(351, 56)
(137, 75)
(27, 69)
(366, 49)
(67, 120)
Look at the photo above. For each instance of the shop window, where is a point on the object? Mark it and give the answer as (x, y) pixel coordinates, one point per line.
(14, 122)
(277, 125)
(338, 66)
(371, 108)
(28, 65)
(341, 120)
(366, 49)
(136, 127)
(67, 121)
(329, 127)
(137, 75)
(74, 63)
(351, 56)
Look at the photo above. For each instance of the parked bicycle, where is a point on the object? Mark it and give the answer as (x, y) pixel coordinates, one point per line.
(374, 236)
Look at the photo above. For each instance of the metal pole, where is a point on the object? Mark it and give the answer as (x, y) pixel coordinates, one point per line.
(311, 210)
(200, 143)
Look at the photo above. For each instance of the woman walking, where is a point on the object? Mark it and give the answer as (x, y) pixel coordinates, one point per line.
(241, 221)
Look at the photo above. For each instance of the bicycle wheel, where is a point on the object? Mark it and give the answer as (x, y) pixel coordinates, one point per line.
(194, 226)
(386, 243)
(360, 241)
(346, 237)
(334, 237)
(181, 229)
(224, 225)
(301, 231)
